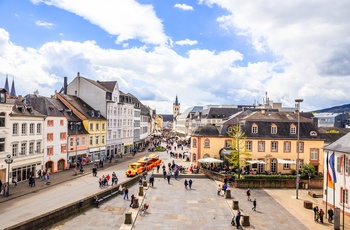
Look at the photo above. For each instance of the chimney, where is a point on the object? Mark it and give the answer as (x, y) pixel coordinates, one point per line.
(65, 86)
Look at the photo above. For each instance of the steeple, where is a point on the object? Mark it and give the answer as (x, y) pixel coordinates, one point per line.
(176, 101)
(176, 107)
(7, 85)
(13, 90)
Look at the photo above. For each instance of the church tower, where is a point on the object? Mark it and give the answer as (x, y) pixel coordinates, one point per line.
(176, 108)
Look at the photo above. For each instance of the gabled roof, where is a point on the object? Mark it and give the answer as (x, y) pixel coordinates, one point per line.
(109, 85)
(96, 84)
(341, 145)
(207, 130)
(20, 108)
(187, 112)
(43, 105)
(167, 117)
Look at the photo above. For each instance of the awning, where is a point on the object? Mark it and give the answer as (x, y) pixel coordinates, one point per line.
(281, 161)
(210, 160)
(256, 162)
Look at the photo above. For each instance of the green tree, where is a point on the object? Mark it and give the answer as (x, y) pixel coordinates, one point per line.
(306, 169)
(238, 155)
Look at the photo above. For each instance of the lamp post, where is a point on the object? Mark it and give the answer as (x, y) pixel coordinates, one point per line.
(297, 109)
(76, 124)
(8, 161)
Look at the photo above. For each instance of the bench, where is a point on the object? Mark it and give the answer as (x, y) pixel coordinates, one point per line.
(315, 194)
(307, 204)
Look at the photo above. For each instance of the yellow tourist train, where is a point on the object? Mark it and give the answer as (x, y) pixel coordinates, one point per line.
(143, 164)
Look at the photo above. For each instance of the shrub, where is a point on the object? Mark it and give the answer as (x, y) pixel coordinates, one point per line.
(268, 177)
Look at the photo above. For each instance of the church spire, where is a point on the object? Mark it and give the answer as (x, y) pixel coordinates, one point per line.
(176, 100)
(7, 85)
(13, 90)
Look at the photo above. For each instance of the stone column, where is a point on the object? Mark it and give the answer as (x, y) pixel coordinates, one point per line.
(144, 183)
(135, 203)
(141, 191)
(235, 205)
(128, 218)
(246, 221)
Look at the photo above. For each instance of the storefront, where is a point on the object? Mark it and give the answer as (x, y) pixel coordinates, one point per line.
(23, 172)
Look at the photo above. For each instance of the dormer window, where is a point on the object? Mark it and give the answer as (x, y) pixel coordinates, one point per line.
(273, 129)
(2, 97)
(293, 129)
(313, 133)
(255, 128)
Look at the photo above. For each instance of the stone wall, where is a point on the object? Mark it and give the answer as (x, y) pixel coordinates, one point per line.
(64, 212)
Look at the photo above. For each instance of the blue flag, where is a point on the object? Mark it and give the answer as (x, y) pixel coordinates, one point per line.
(331, 164)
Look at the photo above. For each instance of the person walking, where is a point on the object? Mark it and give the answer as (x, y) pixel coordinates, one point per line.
(0, 185)
(321, 213)
(248, 194)
(158, 167)
(254, 205)
(94, 171)
(330, 215)
(185, 183)
(132, 200)
(190, 183)
(315, 213)
(168, 177)
(219, 190)
(15, 181)
(126, 193)
(151, 180)
(238, 219)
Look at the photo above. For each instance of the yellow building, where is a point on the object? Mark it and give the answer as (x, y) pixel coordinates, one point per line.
(270, 138)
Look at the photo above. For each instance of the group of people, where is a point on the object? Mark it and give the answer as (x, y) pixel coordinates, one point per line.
(188, 183)
(319, 214)
(3, 188)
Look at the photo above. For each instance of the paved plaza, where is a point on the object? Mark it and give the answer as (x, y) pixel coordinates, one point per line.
(171, 205)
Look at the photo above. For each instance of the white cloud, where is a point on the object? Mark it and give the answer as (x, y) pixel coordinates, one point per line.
(135, 21)
(186, 42)
(183, 7)
(47, 25)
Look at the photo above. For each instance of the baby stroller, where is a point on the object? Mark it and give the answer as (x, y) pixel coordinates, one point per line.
(233, 221)
(144, 208)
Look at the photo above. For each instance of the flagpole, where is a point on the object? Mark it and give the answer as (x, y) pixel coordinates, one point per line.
(334, 180)
(327, 183)
(344, 167)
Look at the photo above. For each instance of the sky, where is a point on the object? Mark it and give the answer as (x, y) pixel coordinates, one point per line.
(206, 52)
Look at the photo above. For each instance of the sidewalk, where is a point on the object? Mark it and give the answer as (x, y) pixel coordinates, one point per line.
(24, 189)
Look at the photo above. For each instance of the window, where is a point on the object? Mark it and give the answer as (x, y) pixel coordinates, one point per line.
(38, 128)
(61, 122)
(2, 97)
(344, 195)
(194, 143)
(338, 164)
(50, 137)
(31, 148)
(15, 150)
(50, 123)
(273, 165)
(248, 146)
(97, 140)
(91, 140)
(2, 119)
(38, 147)
(2, 144)
(286, 166)
(77, 142)
(50, 151)
(261, 146)
(273, 129)
(347, 166)
(314, 155)
(15, 129)
(31, 128)
(274, 146)
(286, 146)
(301, 147)
(83, 141)
(24, 129)
(23, 149)
(254, 128)
(103, 126)
(91, 126)
(63, 148)
(206, 143)
(229, 129)
(293, 129)
(97, 126)
(103, 139)
(71, 142)
(62, 136)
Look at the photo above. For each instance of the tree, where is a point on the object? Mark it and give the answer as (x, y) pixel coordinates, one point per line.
(238, 155)
(306, 169)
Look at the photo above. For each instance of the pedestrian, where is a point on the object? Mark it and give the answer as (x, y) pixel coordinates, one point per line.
(168, 177)
(108, 177)
(15, 181)
(248, 194)
(164, 174)
(224, 188)
(190, 183)
(126, 193)
(158, 167)
(238, 219)
(330, 215)
(48, 176)
(94, 171)
(219, 190)
(132, 200)
(315, 213)
(185, 183)
(115, 181)
(0, 185)
(97, 201)
(100, 182)
(321, 213)
(254, 205)
(121, 190)
(151, 180)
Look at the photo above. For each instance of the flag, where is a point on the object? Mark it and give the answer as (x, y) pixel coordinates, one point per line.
(332, 179)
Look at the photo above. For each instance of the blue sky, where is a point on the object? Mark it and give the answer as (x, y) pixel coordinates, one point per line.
(204, 51)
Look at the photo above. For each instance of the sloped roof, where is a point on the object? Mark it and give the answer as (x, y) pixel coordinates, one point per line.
(109, 85)
(188, 111)
(207, 130)
(341, 145)
(43, 105)
(20, 108)
(167, 117)
(96, 84)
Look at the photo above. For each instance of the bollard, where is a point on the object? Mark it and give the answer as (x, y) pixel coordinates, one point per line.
(135, 203)
(228, 194)
(246, 221)
(141, 191)
(235, 205)
(128, 218)
(144, 183)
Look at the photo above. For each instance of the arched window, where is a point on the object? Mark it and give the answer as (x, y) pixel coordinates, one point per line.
(255, 128)
(207, 143)
(293, 129)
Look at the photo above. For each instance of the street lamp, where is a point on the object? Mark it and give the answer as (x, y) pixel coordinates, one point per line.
(297, 110)
(76, 125)
(8, 161)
